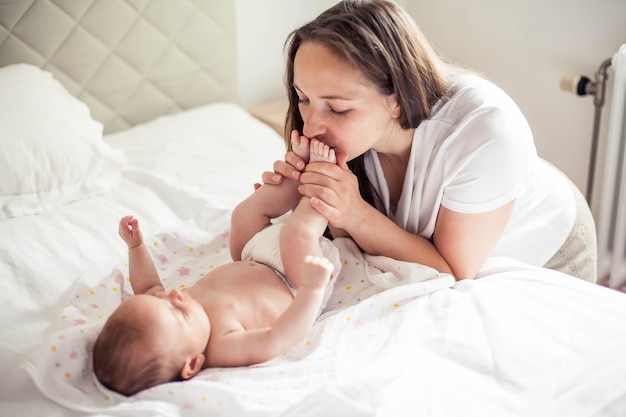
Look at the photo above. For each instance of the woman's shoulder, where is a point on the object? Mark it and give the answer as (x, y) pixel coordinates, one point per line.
(472, 94)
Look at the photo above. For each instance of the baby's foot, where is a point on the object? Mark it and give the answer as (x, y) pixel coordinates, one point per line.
(320, 152)
(317, 271)
(300, 145)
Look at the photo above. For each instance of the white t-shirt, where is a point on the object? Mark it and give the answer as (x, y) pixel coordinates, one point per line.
(473, 155)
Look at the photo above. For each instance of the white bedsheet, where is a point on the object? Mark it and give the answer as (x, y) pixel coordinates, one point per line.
(518, 341)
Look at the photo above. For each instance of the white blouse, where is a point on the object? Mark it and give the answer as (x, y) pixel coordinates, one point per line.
(475, 154)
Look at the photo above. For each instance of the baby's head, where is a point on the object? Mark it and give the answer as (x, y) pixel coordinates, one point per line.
(150, 340)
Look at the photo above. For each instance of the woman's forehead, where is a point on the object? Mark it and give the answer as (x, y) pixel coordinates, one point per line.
(318, 68)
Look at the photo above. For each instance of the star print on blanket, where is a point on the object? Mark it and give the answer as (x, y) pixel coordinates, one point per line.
(181, 258)
(370, 301)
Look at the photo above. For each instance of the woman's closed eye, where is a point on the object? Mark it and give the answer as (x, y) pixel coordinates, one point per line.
(331, 109)
(338, 112)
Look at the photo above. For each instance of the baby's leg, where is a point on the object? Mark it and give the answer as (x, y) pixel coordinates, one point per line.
(268, 202)
(320, 152)
(302, 230)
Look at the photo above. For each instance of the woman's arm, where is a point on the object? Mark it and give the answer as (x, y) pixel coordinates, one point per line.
(461, 242)
(466, 240)
(460, 245)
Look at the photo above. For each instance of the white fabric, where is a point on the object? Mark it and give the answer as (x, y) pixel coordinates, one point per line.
(517, 341)
(52, 150)
(475, 154)
(363, 275)
(61, 366)
(180, 168)
(264, 248)
(356, 276)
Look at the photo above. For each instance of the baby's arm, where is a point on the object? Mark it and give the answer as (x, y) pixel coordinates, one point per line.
(143, 275)
(247, 347)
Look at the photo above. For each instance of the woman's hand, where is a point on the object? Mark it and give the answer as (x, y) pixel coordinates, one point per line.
(333, 188)
(291, 167)
(334, 193)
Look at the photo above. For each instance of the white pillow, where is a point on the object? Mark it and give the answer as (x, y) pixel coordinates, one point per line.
(51, 150)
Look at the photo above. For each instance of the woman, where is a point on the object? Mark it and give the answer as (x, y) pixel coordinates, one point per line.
(436, 165)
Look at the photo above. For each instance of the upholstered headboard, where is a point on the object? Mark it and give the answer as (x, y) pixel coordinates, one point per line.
(129, 60)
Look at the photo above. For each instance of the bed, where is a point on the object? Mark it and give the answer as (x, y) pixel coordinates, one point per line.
(80, 150)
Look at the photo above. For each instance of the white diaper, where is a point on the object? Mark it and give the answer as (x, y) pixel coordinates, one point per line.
(264, 248)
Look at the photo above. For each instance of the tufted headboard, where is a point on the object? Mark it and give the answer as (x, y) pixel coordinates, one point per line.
(129, 60)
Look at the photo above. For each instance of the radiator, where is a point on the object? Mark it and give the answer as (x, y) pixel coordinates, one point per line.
(611, 221)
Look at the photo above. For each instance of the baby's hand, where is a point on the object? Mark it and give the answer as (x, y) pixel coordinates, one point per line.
(130, 231)
(317, 272)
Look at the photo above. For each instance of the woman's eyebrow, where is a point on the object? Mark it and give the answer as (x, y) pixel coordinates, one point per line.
(327, 97)
(336, 97)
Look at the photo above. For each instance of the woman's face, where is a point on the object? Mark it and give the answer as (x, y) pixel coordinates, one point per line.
(338, 105)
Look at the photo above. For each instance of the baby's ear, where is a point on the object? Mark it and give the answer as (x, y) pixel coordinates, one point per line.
(192, 366)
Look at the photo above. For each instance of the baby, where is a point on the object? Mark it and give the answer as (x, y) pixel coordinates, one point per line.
(239, 314)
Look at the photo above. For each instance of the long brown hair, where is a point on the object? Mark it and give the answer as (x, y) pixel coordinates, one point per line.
(382, 41)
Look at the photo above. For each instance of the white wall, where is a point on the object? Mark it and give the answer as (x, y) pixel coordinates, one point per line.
(262, 28)
(526, 47)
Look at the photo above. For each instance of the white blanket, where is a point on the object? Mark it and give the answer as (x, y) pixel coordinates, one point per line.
(499, 337)
(356, 275)
(61, 367)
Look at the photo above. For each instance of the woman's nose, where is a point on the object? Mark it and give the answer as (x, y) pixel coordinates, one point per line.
(313, 124)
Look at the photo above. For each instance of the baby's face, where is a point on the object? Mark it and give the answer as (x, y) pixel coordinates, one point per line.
(177, 322)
